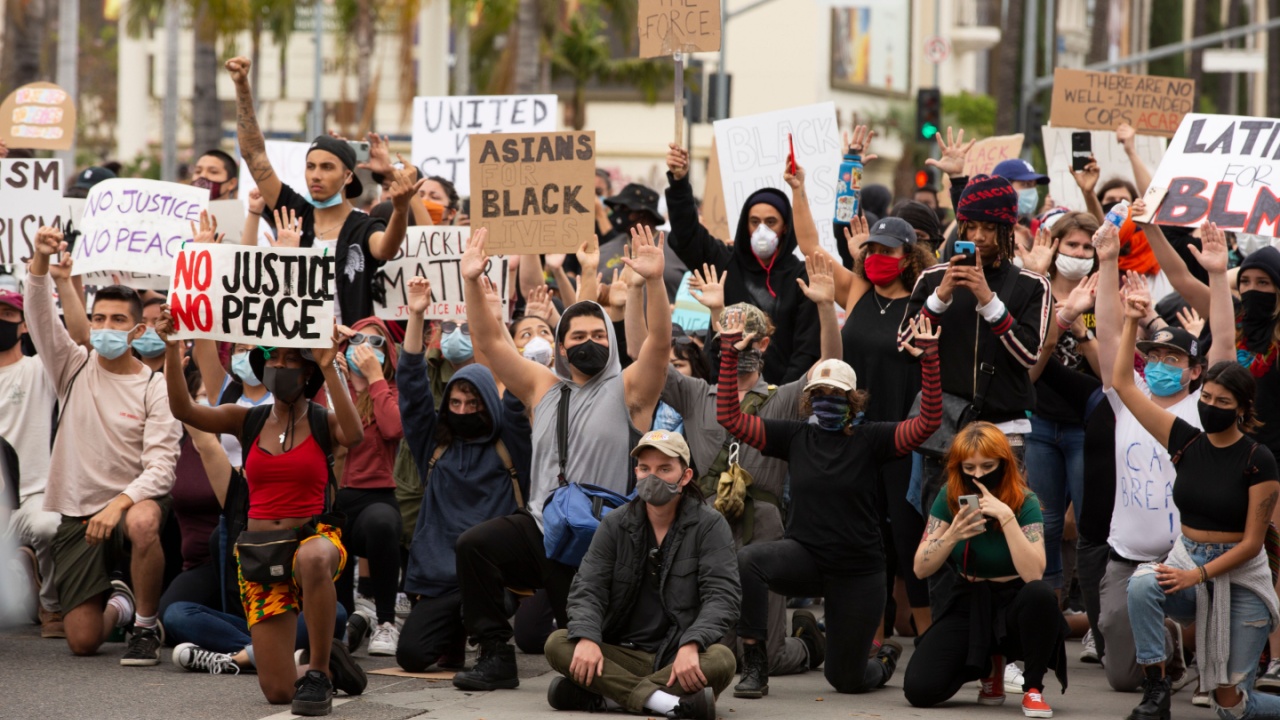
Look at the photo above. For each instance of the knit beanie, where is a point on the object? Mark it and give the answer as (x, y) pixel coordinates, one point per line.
(919, 216)
(988, 199)
(1267, 260)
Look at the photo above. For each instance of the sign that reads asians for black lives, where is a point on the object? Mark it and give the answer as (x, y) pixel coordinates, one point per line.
(435, 253)
(535, 193)
(277, 297)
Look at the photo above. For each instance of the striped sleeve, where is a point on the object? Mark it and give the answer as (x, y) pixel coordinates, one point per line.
(1022, 329)
(918, 303)
(747, 428)
(910, 434)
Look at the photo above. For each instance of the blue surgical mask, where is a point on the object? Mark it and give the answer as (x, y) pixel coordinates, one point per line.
(1028, 201)
(110, 344)
(456, 347)
(243, 370)
(149, 345)
(320, 205)
(1163, 380)
(204, 402)
(355, 366)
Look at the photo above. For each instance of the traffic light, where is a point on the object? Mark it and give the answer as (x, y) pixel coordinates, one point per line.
(928, 113)
(927, 178)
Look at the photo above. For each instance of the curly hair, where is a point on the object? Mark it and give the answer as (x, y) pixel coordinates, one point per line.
(916, 259)
(857, 403)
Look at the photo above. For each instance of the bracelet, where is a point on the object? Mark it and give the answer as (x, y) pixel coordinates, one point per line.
(1062, 324)
(1147, 325)
(1006, 522)
(1204, 575)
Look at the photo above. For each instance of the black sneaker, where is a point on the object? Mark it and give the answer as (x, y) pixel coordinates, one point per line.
(564, 694)
(347, 674)
(314, 694)
(698, 706)
(144, 647)
(495, 670)
(357, 630)
(888, 655)
(804, 625)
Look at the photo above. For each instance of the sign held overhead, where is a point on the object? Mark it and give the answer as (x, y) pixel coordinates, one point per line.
(441, 126)
(1088, 100)
(667, 27)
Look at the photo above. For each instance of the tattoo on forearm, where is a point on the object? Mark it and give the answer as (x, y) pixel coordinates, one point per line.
(933, 526)
(1265, 509)
(252, 144)
(1034, 532)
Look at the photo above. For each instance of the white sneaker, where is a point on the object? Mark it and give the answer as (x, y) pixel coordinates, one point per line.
(1089, 648)
(1270, 680)
(403, 606)
(190, 656)
(1013, 679)
(384, 640)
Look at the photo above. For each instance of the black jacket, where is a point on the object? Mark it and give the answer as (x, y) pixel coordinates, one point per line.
(699, 582)
(795, 346)
(1018, 333)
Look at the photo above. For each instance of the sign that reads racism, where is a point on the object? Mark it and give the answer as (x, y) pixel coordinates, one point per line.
(277, 297)
(435, 253)
(136, 226)
(30, 197)
(534, 193)
(441, 126)
(1103, 101)
(1221, 168)
(670, 26)
(40, 116)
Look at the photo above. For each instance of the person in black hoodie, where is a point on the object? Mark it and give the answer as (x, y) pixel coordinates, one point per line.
(761, 262)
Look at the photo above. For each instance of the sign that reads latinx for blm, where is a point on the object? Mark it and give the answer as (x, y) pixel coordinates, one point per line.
(136, 226)
(30, 196)
(1152, 105)
(277, 297)
(535, 193)
(670, 26)
(435, 253)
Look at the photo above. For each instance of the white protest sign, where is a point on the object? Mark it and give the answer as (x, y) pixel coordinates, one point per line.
(435, 253)
(229, 215)
(442, 126)
(289, 161)
(1222, 168)
(753, 154)
(135, 227)
(277, 297)
(30, 196)
(1108, 152)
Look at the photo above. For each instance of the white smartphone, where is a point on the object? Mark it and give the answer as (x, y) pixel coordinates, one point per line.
(969, 501)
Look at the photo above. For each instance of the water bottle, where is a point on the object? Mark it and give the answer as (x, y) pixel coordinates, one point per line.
(849, 189)
(1118, 214)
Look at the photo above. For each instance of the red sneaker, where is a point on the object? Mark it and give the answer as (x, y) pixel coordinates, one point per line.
(991, 690)
(1034, 706)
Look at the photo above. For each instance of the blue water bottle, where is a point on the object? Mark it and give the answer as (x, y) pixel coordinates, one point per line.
(849, 189)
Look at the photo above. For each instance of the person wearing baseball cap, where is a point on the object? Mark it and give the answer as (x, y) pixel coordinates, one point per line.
(86, 179)
(360, 242)
(1024, 179)
(658, 588)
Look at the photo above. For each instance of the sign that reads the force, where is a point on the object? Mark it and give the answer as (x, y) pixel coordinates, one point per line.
(535, 193)
(277, 297)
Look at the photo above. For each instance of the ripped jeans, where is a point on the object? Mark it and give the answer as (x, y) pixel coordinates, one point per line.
(1250, 626)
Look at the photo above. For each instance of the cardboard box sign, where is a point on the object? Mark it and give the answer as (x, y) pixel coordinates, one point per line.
(670, 26)
(1088, 100)
(40, 116)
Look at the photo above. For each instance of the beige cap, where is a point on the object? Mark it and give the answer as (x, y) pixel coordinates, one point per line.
(833, 373)
(669, 443)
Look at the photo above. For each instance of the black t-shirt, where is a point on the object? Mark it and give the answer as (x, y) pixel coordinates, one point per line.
(834, 487)
(890, 376)
(647, 626)
(1268, 405)
(1212, 486)
(356, 268)
(1049, 404)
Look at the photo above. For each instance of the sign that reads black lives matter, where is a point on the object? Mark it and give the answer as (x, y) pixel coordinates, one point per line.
(535, 193)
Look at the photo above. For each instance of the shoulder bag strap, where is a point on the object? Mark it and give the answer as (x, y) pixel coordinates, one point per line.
(562, 433)
(505, 456)
(987, 368)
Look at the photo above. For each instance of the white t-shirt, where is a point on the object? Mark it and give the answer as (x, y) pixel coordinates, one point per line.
(27, 397)
(1145, 522)
(231, 443)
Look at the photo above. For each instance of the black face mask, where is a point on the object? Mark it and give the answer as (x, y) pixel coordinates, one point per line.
(467, 425)
(8, 335)
(991, 481)
(589, 357)
(1215, 419)
(286, 385)
(1258, 322)
(1106, 207)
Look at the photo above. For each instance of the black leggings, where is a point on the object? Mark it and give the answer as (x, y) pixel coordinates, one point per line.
(372, 531)
(854, 608)
(938, 668)
(906, 526)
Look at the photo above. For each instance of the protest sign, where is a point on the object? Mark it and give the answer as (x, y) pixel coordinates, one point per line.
(1107, 150)
(40, 116)
(136, 226)
(688, 313)
(670, 26)
(713, 212)
(1103, 101)
(753, 155)
(289, 161)
(435, 253)
(277, 297)
(441, 126)
(30, 197)
(982, 159)
(230, 215)
(535, 193)
(1221, 168)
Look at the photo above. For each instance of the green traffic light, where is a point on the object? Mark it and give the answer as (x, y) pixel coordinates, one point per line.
(928, 130)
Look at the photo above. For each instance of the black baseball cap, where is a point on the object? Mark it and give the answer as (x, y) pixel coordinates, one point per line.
(89, 177)
(892, 232)
(346, 154)
(1172, 338)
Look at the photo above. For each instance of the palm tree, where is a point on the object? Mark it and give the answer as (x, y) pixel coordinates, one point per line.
(1004, 77)
(25, 29)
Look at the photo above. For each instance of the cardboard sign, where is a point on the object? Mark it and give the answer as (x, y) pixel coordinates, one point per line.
(435, 253)
(754, 153)
(982, 159)
(1106, 149)
(277, 297)
(30, 197)
(441, 126)
(40, 116)
(714, 216)
(136, 226)
(535, 193)
(670, 26)
(1103, 101)
(1222, 168)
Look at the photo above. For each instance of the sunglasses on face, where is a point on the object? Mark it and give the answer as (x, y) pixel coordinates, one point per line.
(373, 341)
(449, 326)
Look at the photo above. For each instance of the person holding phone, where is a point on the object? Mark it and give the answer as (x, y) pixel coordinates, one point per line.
(987, 525)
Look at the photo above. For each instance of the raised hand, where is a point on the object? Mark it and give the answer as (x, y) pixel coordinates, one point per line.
(821, 287)
(1106, 243)
(288, 229)
(1125, 135)
(795, 181)
(379, 156)
(418, 294)
(707, 288)
(492, 298)
(325, 356)
(1042, 250)
(473, 258)
(49, 241)
(954, 151)
(1212, 256)
(647, 259)
(164, 325)
(207, 231)
(922, 336)
(1087, 178)
(856, 234)
(617, 290)
(677, 161)
(859, 142)
(238, 68)
(257, 203)
(732, 323)
(554, 261)
(588, 256)
(1082, 297)
(1190, 320)
(537, 302)
(404, 187)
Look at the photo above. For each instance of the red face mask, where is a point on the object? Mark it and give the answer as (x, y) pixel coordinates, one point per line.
(882, 269)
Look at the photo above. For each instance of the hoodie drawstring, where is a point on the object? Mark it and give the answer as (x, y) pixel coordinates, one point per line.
(768, 272)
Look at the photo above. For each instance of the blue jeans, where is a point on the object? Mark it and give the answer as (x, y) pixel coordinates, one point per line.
(221, 632)
(1055, 472)
(1250, 626)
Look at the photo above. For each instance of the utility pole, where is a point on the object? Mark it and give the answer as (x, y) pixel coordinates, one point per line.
(315, 123)
(1030, 20)
(68, 71)
(169, 156)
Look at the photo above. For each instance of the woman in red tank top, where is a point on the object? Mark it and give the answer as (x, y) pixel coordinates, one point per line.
(287, 472)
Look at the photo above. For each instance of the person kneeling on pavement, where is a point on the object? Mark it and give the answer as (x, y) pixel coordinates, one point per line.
(656, 591)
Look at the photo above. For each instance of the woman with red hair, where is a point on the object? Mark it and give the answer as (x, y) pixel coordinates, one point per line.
(991, 528)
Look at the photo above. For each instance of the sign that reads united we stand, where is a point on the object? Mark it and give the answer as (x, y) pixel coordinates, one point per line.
(276, 297)
(435, 253)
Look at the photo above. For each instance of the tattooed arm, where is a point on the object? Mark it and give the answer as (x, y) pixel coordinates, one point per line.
(1026, 546)
(940, 537)
(253, 147)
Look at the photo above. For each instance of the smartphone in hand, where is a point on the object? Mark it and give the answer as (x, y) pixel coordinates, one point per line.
(1081, 150)
(362, 150)
(967, 250)
(791, 158)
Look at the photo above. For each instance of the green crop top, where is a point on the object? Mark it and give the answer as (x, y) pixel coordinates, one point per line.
(989, 552)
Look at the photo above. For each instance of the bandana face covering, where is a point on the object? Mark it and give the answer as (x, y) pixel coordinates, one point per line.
(831, 412)
(750, 361)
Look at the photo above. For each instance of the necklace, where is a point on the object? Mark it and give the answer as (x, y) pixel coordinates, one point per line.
(289, 427)
(883, 308)
(321, 233)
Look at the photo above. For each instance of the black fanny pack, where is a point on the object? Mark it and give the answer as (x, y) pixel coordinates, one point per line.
(266, 556)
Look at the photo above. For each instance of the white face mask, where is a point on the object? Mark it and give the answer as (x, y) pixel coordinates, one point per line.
(764, 242)
(538, 350)
(1073, 268)
(1028, 201)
